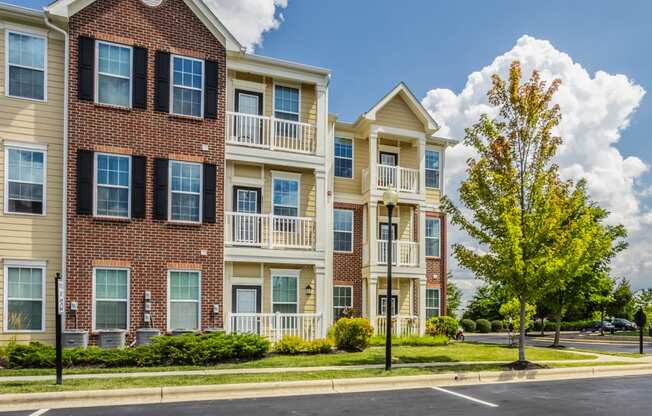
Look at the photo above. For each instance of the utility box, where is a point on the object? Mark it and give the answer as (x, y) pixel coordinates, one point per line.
(112, 339)
(144, 335)
(75, 338)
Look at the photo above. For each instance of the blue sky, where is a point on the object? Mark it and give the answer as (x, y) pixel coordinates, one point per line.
(372, 45)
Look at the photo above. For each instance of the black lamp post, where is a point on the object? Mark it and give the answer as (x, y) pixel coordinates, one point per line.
(58, 290)
(390, 198)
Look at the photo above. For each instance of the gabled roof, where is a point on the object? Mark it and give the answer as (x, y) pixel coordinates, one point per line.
(419, 111)
(67, 8)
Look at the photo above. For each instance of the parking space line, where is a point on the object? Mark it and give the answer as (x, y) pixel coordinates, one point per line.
(39, 412)
(464, 396)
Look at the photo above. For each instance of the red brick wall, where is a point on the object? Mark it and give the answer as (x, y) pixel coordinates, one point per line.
(436, 268)
(149, 246)
(347, 267)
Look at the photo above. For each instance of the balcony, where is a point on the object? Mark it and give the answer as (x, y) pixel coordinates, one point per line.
(404, 253)
(395, 177)
(269, 231)
(274, 326)
(270, 133)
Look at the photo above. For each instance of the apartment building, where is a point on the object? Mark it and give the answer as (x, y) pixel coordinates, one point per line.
(31, 171)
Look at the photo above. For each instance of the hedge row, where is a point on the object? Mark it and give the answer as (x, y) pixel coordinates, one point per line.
(565, 326)
(482, 325)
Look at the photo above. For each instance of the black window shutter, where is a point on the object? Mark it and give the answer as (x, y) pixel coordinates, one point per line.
(161, 189)
(138, 186)
(86, 69)
(84, 182)
(209, 197)
(210, 89)
(139, 95)
(162, 81)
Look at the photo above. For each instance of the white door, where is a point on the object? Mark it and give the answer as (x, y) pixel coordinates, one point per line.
(246, 302)
(249, 128)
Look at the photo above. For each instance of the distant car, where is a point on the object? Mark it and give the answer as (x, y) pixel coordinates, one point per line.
(622, 324)
(595, 326)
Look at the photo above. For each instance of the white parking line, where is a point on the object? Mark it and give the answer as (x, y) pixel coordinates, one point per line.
(464, 396)
(39, 412)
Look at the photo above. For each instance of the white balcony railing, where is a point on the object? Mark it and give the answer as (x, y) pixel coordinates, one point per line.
(270, 133)
(399, 178)
(402, 325)
(404, 253)
(275, 326)
(267, 230)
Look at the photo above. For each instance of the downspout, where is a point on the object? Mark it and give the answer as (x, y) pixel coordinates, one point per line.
(64, 206)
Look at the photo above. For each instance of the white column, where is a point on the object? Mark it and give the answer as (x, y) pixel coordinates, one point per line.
(421, 157)
(372, 299)
(422, 237)
(322, 118)
(373, 162)
(226, 296)
(321, 213)
(422, 306)
(322, 299)
(372, 207)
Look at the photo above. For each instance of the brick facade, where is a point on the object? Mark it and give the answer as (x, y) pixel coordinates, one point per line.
(347, 267)
(149, 247)
(436, 268)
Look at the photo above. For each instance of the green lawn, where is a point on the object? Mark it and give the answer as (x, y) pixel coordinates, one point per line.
(453, 352)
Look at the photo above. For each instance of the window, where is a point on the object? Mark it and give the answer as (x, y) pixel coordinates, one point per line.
(25, 173)
(432, 169)
(343, 226)
(343, 157)
(26, 63)
(286, 103)
(113, 180)
(184, 295)
(285, 295)
(187, 86)
(432, 303)
(432, 237)
(111, 298)
(185, 191)
(342, 300)
(286, 196)
(113, 80)
(382, 307)
(24, 297)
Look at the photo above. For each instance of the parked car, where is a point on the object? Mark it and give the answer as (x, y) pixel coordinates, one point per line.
(622, 324)
(595, 326)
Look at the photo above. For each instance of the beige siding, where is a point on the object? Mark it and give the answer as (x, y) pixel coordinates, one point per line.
(360, 161)
(246, 171)
(306, 277)
(307, 190)
(251, 270)
(25, 237)
(396, 113)
(433, 196)
(403, 288)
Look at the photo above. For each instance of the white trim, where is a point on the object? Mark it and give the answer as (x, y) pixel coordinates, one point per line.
(94, 298)
(201, 193)
(296, 273)
(96, 73)
(45, 64)
(26, 264)
(352, 212)
(352, 158)
(25, 145)
(33, 148)
(296, 86)
(412, 102)
(438, 289)
(333, 298)
(291, 176)
(203, 82)
(439, 151)
(426, 238)
(199, 301)
(95, 185)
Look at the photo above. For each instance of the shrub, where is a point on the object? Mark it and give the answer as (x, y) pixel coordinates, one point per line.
(290, 345)
(483, 326)
(468, 325)
(352, 334)
(412, 341)
(319, 346)
(497, 326)
(442, 325)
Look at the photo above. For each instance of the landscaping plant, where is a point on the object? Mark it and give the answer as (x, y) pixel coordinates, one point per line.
(352, 334)
(442, 325)
(468, 325)
(483, 326)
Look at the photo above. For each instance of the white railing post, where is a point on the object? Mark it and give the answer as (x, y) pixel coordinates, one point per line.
(398, 185)
(277, 326)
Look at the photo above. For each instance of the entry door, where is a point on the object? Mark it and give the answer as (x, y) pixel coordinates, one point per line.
(382, 305)
(388, 159)
(247, 228)
(249, 129)
(383, 231)
(246, 300)
(387, 173)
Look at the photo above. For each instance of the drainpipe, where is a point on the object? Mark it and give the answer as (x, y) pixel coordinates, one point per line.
(64, 222)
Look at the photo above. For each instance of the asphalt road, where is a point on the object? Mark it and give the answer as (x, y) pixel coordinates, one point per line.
(612, 346)
(606, 396)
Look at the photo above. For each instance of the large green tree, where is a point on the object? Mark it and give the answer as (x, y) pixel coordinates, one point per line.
(623, 303)
(486, 303)
(512, 191)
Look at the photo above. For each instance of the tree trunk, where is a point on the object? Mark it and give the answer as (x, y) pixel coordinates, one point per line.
(555, 343)
(521, 330)
(602, 322)
(542, 327)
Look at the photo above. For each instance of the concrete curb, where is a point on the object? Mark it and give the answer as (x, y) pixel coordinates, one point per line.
(54, 400)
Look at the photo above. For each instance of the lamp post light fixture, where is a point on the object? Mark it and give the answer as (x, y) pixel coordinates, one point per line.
(390, 199)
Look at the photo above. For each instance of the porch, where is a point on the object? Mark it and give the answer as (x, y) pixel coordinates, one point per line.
(275, 326)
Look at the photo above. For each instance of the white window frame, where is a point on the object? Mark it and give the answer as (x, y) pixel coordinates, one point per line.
(32, 148)
(95, 299)
(339, 136)
(296, 274)
(426, 237)
(172, 85)
(291, 177)
(95, 186)
(430, 149)
(169, 301)
(286, 85)
(97, 73)
(438, 309)
(340, 231)
(342, 307)
(201, 192)
(45, 64)
(27, 264)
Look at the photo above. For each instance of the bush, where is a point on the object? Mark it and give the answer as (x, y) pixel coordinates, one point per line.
(442, 325)
(290, 345)
(468, 325)
(412, 341)
(497, 326)
(352, 334)
(319, 346)
(565, 325)
(483, 326)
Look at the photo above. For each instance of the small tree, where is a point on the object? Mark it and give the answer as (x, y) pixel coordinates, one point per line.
(453, 298)
(511, 312)
(623, 301)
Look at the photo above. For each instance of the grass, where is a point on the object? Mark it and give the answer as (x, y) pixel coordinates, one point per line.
(453, 352)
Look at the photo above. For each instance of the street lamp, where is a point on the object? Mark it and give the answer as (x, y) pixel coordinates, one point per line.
(390, 198)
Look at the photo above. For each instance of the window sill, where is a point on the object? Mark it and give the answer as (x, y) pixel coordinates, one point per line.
(25, 214)
(113, 107)
(184, 224)
(111, 219)
(434, 257)
(35, 100)
(343, 252)
(185, 117)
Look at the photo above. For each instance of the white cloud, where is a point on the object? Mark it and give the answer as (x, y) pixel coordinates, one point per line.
(248, 20)
(595, 110)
